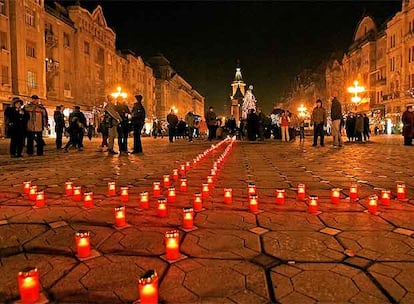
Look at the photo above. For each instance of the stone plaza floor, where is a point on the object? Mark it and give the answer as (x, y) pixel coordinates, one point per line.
(282, 254)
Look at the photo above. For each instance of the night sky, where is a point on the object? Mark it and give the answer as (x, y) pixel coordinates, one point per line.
(273, 40)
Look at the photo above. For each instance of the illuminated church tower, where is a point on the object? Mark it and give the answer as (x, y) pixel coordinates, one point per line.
(237, 95)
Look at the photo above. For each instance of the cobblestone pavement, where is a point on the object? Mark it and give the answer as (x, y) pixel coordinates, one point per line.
(282, 254)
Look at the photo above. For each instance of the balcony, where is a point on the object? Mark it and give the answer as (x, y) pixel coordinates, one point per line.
(51, 40)
(391, 96)
(52, 66)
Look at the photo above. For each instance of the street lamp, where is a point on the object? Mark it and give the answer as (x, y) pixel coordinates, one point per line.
(356, 89)
(119, 93)
(174, 109)
(302, 111)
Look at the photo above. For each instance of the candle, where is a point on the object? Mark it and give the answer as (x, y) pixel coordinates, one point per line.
(69, 188)
(401, 190)
(111, 188)
(198, 202)
(166, 180)
(83, 244)
(182, 169)
(162, 207)
(26, 187)
(254, 203)
(213, 173)
(385, 197)
(373, 204)
(205, 190)
(187, 166)
(183, 185)
(313, 204)
(32, 193)
(280, 196)
(144, 201)
(188, 218)
(156, 188)
(77, 193)
(175, 174)
(29, 287)
(301, 191)
(353, 192)
(335, 195)
(171, 195)
(172, 245)
(40, 199)
(210, 181)
(124, 194)
(120, 216)
(251, 189)
(228, 196)
(148, 288)
(88, 199)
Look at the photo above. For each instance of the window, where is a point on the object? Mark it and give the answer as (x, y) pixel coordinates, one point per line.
(3, 41)
(392, 41)
(3, 7)
(66, 40)
(392, 64)
(31, 80)
(100, 56)
(30, 49)
(29, 17)
(109, 59)
(5, 75)
(86, 48)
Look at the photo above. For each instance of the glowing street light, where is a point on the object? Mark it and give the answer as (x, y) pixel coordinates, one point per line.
(119, 93)
(302, 110)
(356, 89)
(174, 109)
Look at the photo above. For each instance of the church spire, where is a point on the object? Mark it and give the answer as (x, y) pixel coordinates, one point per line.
(238, 82)
(238, 76)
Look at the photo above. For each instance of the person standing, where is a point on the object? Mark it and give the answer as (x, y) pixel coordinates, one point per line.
(408, 126)
(123, 127)
(284, 125)
(211, 120)
(104, 130)
(190, 121)
(319, 122)
(17, 119)
(336, 116)
(114, 120)
(172, 120)
(77, 124)
(261, 119)
(366, 128)
(359, 127)
(59, 119)
(138, 121)
(38, 121)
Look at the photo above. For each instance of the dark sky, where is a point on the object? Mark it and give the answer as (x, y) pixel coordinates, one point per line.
(273, 40)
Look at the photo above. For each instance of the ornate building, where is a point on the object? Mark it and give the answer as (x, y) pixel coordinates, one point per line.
(238, 91)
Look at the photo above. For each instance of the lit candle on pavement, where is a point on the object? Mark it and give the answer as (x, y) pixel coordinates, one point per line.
(188, 218)
(88, 199)
(120, 220)
(124, 194)
(112, 188)
(26, 187)
(83, 245)
(69, 188)
(353, 192)
(172, 245)
(156, 188)
(183, 185)
(385, 197)
(313, 204)
(148, 288)
(228, 196)
(166, 179)
(335, 195)
(162, 207)
(280, 196)
(254, 203)
(198, 202)
(301, 192)
(40, 199)
(144, 201)
(77, 193)
(373, 204)
(32, 193)
(401, 190)
(29, 286)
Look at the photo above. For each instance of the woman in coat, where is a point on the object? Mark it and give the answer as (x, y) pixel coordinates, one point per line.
(408, 126)
(17, 119)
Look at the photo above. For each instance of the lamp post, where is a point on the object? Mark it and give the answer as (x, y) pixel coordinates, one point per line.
(356, 89)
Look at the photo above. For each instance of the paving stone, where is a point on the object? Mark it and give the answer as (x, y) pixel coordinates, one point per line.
(258, 230)
(330, 231)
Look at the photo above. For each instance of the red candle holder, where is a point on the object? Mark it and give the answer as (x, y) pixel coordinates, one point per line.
(335, 195)
(148, 288)
(401, 190)
(175, 174)
(88, 199)
(353, 192)
(77, 193)
(251, 189)
(182, 169)
(120, 216)
(156, 188)
(280, 196)
(198, 202)
(29, 286)
(385, 197)
(187, 166)
(301, 192)
(210, 181)
(124, 194)
(172, 245)
(83, 244)
(254, 203)
(228, 196)
(213, 173)
(144, 200)
(171, 198)
(69, 188)
(162, 207)
(112, 188)
(40, 199)
(183, 185)
(32, 193)
(26, 187)
(313, 204)
(166, 180)
(373, 204)
(188, 218)
(205, 190)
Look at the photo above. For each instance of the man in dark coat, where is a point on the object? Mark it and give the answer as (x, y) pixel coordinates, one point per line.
(336, 116)
(138, 121)
(211, 120)
(16, 118)
(77, 124)
(408, 125)
(172, 120)
(123, 128)
(251, 125)
(59, 119)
